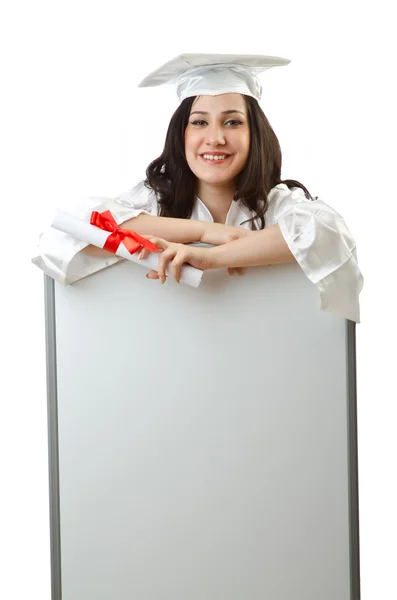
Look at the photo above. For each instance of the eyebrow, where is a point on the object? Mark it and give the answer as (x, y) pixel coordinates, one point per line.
(225, 112)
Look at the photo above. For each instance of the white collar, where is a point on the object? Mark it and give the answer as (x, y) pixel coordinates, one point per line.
(237, 213)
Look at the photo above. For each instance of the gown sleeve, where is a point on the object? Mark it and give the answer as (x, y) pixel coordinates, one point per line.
(322, 245)
(59, 254)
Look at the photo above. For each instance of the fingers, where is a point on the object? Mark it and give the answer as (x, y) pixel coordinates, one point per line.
(152, 275)
(159, 242)
(164, 259)
(239, 270)
(176, 266)
(171, 259)
(167, 253)
(144, 253)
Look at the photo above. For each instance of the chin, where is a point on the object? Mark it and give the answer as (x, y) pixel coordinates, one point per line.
(217, 180)
(214, 178)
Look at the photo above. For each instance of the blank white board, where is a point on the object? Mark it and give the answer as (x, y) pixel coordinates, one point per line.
(202, 441)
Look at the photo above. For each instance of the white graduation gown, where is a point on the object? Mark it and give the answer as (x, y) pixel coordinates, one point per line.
(315, 233)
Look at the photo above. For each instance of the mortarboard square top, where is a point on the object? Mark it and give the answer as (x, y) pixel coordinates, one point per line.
(213, 74)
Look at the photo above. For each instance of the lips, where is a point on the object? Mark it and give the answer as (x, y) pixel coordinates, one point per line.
(215, 160)
(214, 154)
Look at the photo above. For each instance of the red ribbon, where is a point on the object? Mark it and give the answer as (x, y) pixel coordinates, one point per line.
(131, 240)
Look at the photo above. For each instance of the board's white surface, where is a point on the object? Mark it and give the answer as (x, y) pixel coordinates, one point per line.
(203, 446)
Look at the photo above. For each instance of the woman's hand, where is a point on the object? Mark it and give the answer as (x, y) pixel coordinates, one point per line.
(179, 254)
(175, 255)
(218, 234)
(264, 247)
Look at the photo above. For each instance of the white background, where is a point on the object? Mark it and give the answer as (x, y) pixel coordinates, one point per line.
(74, 124)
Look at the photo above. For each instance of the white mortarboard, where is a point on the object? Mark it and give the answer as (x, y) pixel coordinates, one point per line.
(213, 74)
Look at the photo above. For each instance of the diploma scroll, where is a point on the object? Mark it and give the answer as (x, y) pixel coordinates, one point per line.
(84, 231)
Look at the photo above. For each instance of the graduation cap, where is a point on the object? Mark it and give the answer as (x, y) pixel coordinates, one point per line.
(213, 74)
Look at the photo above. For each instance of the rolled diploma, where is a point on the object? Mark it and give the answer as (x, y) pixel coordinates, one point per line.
(84, 231)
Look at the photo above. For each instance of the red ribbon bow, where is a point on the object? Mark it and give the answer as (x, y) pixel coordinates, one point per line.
(131, 240)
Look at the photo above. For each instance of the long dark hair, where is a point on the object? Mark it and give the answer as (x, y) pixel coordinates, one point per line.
(170, 177)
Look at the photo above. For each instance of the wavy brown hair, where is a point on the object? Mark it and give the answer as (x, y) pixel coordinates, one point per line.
(170, 177)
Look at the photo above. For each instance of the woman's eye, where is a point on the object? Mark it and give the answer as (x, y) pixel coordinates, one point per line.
(234, 122)
(230, 123)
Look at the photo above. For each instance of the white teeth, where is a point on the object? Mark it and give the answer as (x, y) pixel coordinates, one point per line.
(212, 157)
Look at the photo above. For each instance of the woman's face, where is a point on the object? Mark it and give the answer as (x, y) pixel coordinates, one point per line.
(217, 127)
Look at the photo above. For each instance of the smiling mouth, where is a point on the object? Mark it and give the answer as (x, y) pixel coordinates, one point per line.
(215, 158)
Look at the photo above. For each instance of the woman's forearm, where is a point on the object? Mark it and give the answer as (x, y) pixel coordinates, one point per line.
(265, 247)
(183, 231)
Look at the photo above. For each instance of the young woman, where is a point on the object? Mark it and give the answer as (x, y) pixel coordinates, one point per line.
(218, 181)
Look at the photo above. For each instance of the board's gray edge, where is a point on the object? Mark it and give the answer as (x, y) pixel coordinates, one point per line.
(53, 452)
(353, 460)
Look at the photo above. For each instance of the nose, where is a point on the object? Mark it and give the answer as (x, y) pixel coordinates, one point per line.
(215, 135)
